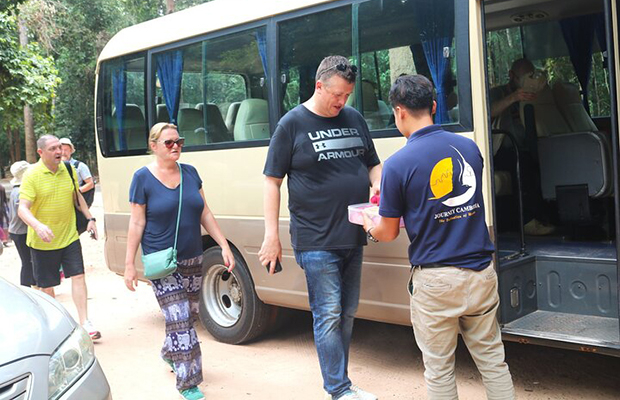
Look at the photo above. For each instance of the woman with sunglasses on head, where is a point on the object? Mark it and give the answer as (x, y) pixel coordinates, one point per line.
(154, 199)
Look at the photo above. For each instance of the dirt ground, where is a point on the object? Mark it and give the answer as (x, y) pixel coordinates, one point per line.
(384, 358)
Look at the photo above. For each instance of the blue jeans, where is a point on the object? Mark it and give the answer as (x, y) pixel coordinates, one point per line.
(333, 279)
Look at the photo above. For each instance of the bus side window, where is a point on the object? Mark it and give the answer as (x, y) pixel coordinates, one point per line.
(123, 105)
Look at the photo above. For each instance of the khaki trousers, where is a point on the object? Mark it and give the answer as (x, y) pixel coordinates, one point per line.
(448, 301)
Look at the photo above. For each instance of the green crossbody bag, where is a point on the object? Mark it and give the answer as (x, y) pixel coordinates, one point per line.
(164, 262)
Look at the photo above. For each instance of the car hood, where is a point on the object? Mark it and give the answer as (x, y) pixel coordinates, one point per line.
(31, 323)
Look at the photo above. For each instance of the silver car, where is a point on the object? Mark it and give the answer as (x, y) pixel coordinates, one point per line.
(44, 353)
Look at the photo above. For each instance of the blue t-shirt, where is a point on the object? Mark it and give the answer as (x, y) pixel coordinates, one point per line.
(435, 184)
(162, 208)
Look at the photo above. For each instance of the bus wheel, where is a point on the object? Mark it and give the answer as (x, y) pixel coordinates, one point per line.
(229, 307)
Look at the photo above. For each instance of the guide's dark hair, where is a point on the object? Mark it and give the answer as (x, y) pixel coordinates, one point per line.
(414, 92)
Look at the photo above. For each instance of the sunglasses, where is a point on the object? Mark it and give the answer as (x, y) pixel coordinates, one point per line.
(169, 142)
(342, 68)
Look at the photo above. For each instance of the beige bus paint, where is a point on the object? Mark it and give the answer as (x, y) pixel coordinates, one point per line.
(479, 99)
(191, 22)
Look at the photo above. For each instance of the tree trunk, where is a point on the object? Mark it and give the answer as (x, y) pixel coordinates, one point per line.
(9, 136)
(31, 147)
(169, 6)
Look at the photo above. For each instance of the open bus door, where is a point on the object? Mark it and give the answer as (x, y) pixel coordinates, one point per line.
(560, 289)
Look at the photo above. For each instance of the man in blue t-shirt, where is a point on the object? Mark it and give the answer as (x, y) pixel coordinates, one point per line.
(435, 184)
(325, 150)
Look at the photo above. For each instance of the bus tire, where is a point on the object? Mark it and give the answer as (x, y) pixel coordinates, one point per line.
(229, 307)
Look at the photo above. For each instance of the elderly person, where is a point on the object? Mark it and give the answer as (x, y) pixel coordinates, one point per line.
(86, 184)
(17, 228)
(154, 199)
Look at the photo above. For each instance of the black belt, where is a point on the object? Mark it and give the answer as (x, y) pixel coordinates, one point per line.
(433, 266)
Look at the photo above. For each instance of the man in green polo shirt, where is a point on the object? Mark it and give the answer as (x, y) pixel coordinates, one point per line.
(47, 197)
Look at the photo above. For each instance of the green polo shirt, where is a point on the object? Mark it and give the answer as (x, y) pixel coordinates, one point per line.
(51, 195)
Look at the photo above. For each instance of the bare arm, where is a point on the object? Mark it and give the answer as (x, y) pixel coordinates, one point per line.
(92, 226)
(374, 173)
(499, 106)
(89, 183)
(44, 232)
(137, 221)
(208, 221)
(386, 231)
(271, 250)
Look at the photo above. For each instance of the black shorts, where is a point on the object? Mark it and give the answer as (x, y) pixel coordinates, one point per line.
(46, 264)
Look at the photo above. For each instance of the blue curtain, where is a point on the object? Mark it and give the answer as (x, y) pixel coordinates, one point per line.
(170, 73)
(261, 40)
(436, 34)
(119, 91)
(578, 34)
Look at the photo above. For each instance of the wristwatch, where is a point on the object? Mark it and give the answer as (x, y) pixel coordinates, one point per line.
(370, 237)
(91, 219)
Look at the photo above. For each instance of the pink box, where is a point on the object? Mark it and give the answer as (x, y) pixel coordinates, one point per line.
(372, 210)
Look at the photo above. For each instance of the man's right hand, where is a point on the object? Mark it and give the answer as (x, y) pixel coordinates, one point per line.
(269, 253)
(522, 95)
(44, 233)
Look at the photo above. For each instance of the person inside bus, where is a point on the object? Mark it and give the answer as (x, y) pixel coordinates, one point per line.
(435, 184)
(325, 149)
(154, 198)
(505, 114)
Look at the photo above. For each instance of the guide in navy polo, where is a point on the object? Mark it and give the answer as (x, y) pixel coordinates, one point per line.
(435, 183)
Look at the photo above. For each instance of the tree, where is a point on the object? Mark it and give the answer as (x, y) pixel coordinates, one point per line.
(26, 77)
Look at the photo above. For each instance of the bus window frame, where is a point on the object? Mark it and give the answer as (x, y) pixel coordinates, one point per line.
(102, 136)
(463, 72)
(274, 91)
(197, 39)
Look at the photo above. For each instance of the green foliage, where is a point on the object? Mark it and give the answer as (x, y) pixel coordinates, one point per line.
(26, 75)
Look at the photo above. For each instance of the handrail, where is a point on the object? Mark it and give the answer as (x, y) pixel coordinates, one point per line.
(522, 252)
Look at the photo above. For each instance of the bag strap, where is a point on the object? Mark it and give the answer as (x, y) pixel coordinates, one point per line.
(176, 233)
(70, 170)
(68, 165)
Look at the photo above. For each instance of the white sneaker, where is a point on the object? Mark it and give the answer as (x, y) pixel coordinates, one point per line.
(350, 395)
(362, 394)
(92, 332)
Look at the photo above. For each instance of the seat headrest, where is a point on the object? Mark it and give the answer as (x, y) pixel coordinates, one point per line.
(566, 93)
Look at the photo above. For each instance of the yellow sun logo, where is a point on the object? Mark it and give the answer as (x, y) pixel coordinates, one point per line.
(441, 178)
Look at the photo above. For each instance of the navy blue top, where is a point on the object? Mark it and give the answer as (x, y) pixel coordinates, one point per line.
(326, 161)
(162, 208)
(435, 184)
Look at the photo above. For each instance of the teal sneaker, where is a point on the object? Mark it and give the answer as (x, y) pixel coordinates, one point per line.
(192, 393)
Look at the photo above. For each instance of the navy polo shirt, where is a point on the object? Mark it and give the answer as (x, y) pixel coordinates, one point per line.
(435, 184)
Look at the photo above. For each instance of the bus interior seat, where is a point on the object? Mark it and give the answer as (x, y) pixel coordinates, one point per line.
(575, 164)
(190, 126)
(385, 112)
(569, 102)
(371, 112)
(252, 120)
(135, 127)
(231, 116)
(216, 128)
(199, 106)
(162, 113)
(548, 118)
